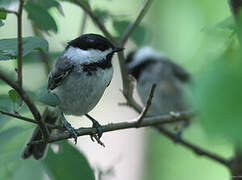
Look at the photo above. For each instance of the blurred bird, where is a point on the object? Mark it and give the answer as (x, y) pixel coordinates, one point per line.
(150, 67)
(79, 78)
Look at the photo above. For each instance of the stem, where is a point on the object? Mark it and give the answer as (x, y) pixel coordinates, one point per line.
(20, 48)
(84, 23)
(148, 104)
(136, 22)
(149, 121)
(194, 148)
(29, 103)
(18, 117)
(96, 21)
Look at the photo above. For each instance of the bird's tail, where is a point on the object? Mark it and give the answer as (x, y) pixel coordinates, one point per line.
(50, 116)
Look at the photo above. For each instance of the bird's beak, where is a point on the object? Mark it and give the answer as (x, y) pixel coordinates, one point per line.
(118, 49)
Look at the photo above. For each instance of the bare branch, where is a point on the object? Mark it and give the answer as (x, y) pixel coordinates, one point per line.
(235, 5)
(96, 21)
(147, 106)
(148, 121)
(20, 48)
(28, 102)
(84, 23)
(194, 148)
(18, 116)
(9, 11)
(132, 26)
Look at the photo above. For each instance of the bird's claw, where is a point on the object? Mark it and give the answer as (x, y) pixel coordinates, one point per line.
(98, 127)
(71, 130)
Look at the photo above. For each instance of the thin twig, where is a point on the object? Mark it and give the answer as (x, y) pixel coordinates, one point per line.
(148, 121)
(147, 106)
(20, 44)
(194, 148)
(122, 42)
(235, 6)
(132, 26)
(18, 116)
(96, 21)
(28, 102)
(9, 11)
(84, 23)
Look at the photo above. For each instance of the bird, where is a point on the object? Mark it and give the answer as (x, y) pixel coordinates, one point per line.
(149, 66)
(78, 79)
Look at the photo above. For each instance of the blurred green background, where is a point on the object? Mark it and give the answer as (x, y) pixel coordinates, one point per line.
(188, 31)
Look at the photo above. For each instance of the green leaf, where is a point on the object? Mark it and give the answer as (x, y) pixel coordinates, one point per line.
(219, 99)
(35, 57)
(67, 163)
(5, 103)
(13, 95)
(7, 135)
(3, 15)
(47, 4)
(45, 97)
(103, 15)
(9, 4)
(9, 74)
(85, 2)
(1, 23)
(28, 170)
(228, 23)
(140, 35)
(40, 17)
(9, 50)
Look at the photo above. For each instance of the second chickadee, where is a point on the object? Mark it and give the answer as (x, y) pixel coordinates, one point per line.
(79, 78)
(150, 67)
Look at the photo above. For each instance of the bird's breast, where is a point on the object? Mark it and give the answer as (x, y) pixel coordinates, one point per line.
(81, 90)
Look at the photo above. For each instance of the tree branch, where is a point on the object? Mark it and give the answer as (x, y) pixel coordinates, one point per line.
(84, 23)
(146, 108)
(29, 103)
(18, 116)
(9, 11)
(20, 48)
(96, 21)
(136, 22)
(148, 121)
(195, 149)
(235, 6)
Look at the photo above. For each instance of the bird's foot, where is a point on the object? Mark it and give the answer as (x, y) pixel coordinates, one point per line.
(70, 129)
(98, 127)
(97, 136)
(179, 131)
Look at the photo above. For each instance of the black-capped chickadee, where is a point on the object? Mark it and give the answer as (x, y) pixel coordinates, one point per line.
(79, 78)
(150, 67)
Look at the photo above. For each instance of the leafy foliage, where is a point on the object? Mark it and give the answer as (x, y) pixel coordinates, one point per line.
(67, 163)
(9, 4)
(140, 35)
(1, 23)
(103, 15)
(3, 15)
(39, 15)
(85, 2)
(9, 50)
(219, 99)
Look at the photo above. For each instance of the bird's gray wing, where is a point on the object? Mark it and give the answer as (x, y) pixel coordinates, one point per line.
(61, 70)
(179, 72)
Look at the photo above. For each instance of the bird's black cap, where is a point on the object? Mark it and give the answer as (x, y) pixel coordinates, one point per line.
(91, 41)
